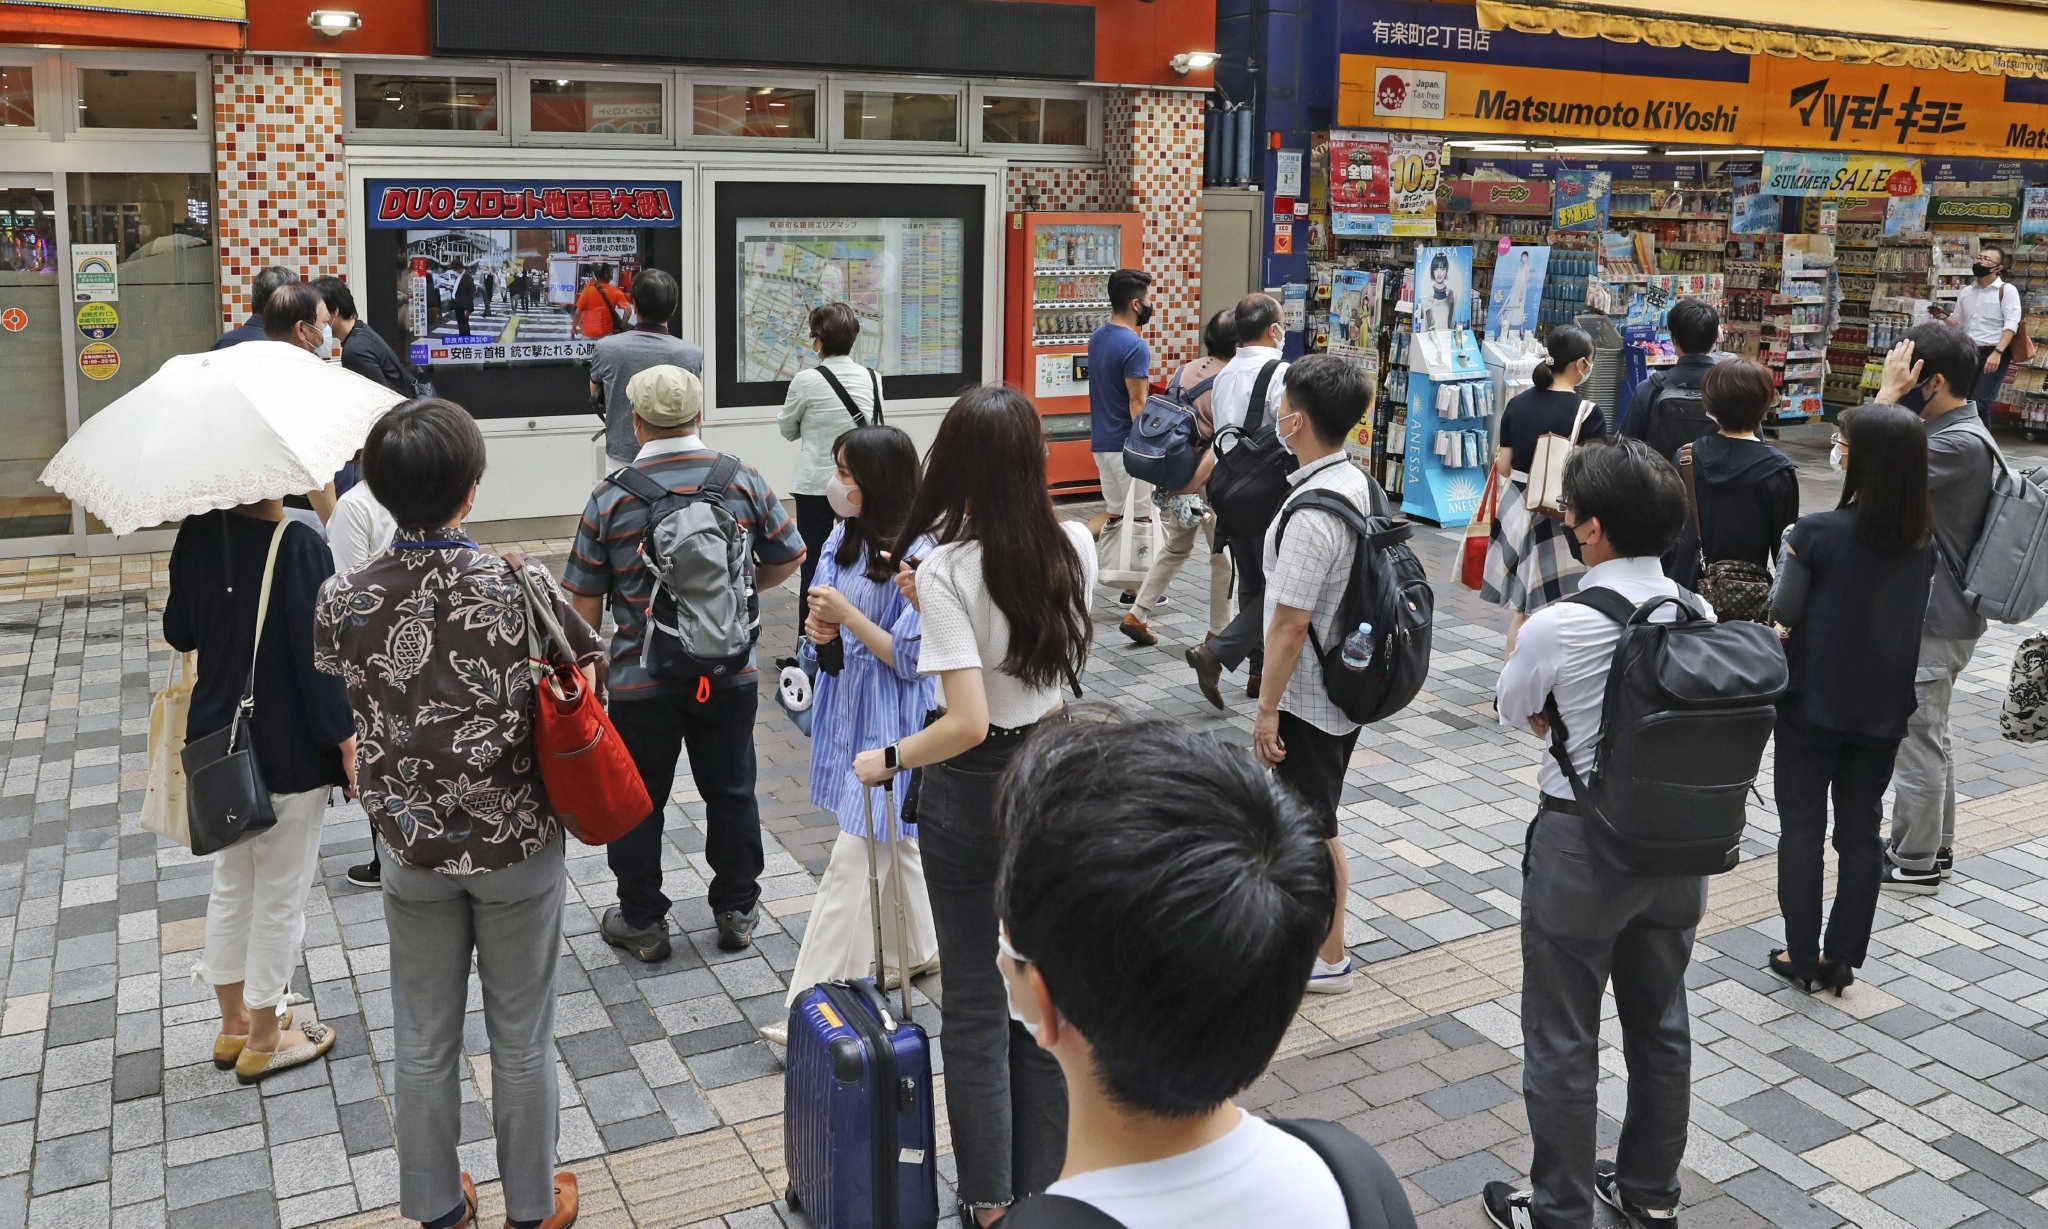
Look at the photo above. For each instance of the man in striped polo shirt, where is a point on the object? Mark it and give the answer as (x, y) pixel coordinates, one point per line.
(659, 719)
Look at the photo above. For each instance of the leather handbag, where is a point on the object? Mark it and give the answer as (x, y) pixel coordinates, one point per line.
(163, 807)
(226, 800)
(2022, 347)
(1478, 534)
(1546, 470)
(591, 780)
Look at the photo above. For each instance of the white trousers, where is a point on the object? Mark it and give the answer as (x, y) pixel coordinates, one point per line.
(256, 914)
(839, 940)
(1117, 483)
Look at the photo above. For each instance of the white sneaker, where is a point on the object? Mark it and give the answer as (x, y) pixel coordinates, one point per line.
(1327, 978)
(777, 1033)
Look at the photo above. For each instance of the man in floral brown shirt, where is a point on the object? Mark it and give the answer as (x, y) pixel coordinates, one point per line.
(430, 638)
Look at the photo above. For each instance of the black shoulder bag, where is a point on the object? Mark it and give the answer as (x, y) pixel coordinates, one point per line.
(225, 798)
(859, 419)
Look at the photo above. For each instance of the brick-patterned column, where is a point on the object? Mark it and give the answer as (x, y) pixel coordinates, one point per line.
(1153, 139)
(277, 164)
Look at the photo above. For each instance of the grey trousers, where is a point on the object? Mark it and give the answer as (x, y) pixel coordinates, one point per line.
(512, 920)
(1582, 924)
(1924, 779)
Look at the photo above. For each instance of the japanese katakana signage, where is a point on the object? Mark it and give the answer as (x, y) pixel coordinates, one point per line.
(550, 204)
(1442, 72)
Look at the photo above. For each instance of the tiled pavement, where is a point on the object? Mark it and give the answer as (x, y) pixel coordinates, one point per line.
(109, 1114)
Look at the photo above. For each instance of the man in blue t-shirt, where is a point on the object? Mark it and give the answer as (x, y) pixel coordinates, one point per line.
(1119, 374)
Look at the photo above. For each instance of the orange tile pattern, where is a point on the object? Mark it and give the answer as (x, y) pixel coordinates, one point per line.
(1153, 139)
(1083, 189)
(277, 162)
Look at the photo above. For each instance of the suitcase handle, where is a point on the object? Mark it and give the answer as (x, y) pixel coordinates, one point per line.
(879, 1000)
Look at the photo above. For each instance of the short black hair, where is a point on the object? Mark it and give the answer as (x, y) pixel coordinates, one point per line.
(420, 460)
(266, 283)
(1332, 392)
(1148, 867)
(1219, 336)
(291, 304)
(340, 302)
(655, 295)
(1946, 351)
(603, 273)
(1695, 326)
(836, 328)
(1992, 247)
(1738, 393)
(1255, 313)
(1636, 494)
(1125, 287)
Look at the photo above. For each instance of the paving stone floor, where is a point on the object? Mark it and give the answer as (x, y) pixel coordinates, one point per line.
(1917, 1098)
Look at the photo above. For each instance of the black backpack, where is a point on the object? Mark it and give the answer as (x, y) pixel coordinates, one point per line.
(1688, 709)
(1675, 417)
(1249, 482)
(1165, 445)
(1373, 1197)
(1388, 590)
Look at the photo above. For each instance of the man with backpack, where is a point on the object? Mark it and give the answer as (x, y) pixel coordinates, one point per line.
(1246, 475)
(680, 542)
(1666, 411)
(1942, 365)
(1213, 883)
(1616, 861)
(1300, 732)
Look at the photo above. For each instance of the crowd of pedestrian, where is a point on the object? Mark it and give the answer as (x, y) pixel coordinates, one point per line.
(1080, 878)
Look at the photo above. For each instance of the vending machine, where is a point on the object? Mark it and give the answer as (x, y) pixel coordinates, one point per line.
(1056, 293)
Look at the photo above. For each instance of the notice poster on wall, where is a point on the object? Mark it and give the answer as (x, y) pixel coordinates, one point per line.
(1358, 184)
(1579, 200)
(1414, 165)
(2034, 219)
(1351, 312)
(1443, 289)
(1755, 211)
(901, 276)
(1517, 290)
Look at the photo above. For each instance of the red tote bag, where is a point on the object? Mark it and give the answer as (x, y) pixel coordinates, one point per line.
(591, 781)
(1472, 573)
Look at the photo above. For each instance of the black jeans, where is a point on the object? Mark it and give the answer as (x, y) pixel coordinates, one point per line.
(1006, 1096)
(814, 522)
(1244, 637)
(1989, 382)
(720, 736)
(1813, 762)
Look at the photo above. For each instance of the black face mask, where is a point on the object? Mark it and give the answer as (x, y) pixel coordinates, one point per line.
(1572, 543)
(1982, 270)
(1144, 314)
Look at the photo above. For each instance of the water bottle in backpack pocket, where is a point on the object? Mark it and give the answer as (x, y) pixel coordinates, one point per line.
(704, 614)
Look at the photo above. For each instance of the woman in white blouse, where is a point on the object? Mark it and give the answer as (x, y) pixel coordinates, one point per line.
(1004, 597)
(822, 404)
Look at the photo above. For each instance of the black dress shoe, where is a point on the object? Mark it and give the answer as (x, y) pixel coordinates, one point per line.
(1208, 674)
(1251, 685)
(647, 944)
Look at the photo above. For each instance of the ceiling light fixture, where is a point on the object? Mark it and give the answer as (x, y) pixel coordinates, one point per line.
(1192, 61)
(331, 23)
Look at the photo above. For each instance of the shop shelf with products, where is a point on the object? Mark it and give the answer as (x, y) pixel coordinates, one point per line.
(2025, 395)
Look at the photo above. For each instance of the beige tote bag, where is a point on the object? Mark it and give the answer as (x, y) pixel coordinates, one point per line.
(1546, 468)
(163, 808)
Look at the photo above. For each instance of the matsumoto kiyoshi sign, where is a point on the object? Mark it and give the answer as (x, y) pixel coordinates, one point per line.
(1408, 64)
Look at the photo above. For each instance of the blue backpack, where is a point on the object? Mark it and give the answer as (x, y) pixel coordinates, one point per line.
(1166, 443)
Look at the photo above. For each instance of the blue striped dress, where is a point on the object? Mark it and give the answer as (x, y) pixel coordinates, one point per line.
(868, 704)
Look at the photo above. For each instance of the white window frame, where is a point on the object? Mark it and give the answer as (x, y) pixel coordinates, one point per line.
(523, 76)
(686, 109)
(74, 93)
(898, 85)
(50, 75)
(352, 134)
(1034, 154)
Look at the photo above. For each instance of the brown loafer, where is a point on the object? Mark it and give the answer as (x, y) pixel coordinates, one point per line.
(565, 1203)
(1208, 673)
(1251, 685)
(468, 1204)
(254, 1066)
(1136, 630)
(227, 1047)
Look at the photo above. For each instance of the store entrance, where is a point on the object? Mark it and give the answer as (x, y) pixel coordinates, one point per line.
(32, 368)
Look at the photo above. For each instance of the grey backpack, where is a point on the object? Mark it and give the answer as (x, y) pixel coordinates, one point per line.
(705, 614)
(2006, 577)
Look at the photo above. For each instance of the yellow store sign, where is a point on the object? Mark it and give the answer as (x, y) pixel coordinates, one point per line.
(213, 10)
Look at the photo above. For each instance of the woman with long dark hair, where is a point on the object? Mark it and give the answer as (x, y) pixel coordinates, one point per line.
(1852, 586)
(1004, 595)
(1529, 563)
(875, 698)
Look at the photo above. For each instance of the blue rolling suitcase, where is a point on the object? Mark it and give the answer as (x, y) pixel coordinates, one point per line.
(859, 1138)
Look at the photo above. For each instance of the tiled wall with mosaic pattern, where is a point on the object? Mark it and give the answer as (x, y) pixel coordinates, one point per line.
(277, 159)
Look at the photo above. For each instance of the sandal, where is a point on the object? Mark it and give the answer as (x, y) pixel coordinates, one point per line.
(254, 1065)
(227, 1047)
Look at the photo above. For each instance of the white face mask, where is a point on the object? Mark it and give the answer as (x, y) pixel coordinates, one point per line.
(1839, 458)
(1010, 996)
(1280, 432)
(845, 500)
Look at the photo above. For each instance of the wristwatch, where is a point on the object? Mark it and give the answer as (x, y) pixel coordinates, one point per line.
(892, 759)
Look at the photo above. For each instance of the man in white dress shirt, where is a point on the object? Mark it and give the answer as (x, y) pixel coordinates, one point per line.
(1989, 311)
(1583, 922)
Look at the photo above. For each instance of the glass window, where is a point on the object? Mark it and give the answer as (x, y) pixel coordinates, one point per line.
(1034, 121)
(31, 364)
(558, 104)
(754, 111)
(137, 98)
(880, 115)
(17, 96)
(427, 104)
